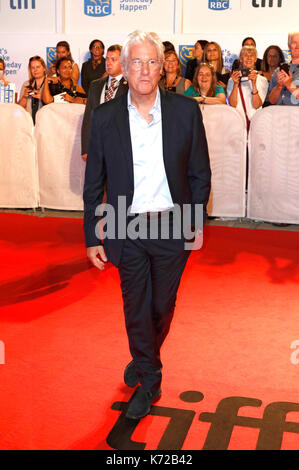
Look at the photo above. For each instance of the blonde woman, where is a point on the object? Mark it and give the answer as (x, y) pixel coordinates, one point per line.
(247, 89)
(31, 91)
(213, 55)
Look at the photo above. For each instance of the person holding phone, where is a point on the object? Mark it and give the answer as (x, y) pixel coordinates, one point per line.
(31, 92)
(284, 85)
(61, 89)
(273, 57)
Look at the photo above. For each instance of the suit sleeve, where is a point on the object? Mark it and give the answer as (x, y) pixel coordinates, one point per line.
(94, 185)
(199, 172)
(84, 79)
(85, 129)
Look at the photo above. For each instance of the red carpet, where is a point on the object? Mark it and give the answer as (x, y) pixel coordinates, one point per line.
(63, 345)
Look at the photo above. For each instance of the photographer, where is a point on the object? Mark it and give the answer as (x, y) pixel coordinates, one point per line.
(246, 89)
(31, 91)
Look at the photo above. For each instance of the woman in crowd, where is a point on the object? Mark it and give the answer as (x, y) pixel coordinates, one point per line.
(168, 46)
(2, 73)
(197, 52)
(249, 41)
(172, 79)
(63, 50)
(213, 55)
(31, 91)
(5, 82)
(205, 89)
(62, 88)
(247, 89)
(94, 67)
(273, 57)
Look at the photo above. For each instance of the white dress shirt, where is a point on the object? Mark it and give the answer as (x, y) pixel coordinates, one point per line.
(151, 190)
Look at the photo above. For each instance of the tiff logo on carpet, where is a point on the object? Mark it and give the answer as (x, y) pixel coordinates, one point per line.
(295, 354)
(2, 353)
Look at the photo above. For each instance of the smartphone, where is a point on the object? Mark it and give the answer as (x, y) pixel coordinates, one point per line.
(285, 68)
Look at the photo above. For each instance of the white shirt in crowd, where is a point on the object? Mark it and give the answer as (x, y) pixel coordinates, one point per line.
(262, 87)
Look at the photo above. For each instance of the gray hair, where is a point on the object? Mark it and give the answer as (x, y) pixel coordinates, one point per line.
(138, 37)
(290, 35)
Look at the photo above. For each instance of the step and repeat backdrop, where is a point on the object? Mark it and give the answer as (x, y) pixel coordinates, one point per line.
(33, 27)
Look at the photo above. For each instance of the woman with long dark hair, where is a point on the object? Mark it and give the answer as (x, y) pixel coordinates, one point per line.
(94, 67)
(63, 89)
(63, 50)
(273, 57)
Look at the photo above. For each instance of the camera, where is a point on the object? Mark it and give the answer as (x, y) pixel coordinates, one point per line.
(244, 72)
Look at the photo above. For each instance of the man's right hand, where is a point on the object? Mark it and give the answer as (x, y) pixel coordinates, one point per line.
(97, 256)
(84, 156)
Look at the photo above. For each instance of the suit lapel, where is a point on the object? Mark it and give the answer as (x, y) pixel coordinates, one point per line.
(103, 84)
(122, 87)
(123, 127)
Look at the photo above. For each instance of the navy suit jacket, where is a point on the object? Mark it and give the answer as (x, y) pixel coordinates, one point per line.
(185, 154)
(94, 96)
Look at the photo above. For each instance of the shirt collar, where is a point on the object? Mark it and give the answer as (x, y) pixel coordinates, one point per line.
(118, 78)
(156, 107)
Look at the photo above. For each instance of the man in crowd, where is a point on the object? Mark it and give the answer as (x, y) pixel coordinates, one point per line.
(102, 90)
(150, 147)
(284, 85)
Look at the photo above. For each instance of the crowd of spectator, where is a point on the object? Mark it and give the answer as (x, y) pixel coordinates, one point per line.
(252, 82)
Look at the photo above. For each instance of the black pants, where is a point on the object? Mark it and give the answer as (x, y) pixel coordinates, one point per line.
(150, 272)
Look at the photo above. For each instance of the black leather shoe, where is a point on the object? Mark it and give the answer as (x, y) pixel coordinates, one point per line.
(141, 402)
(130, 375)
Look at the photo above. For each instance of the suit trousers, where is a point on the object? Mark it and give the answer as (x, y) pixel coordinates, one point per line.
(150, 272)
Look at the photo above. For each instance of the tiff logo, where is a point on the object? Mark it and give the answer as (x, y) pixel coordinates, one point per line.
(255, 3)
(272, 423)
(295, 354)
(20, 4)
(2, 353)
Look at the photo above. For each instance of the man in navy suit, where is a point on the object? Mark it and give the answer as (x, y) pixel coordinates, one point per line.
(99, 91)
(149, 147)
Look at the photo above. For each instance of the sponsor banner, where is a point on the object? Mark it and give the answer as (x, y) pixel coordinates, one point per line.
(123, 16)
(14, 63)
(28, 16)
(244, 16)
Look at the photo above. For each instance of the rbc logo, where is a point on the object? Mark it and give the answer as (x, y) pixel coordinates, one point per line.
(51, 55)
(219, 4)
(185, 54)
(97, 7)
